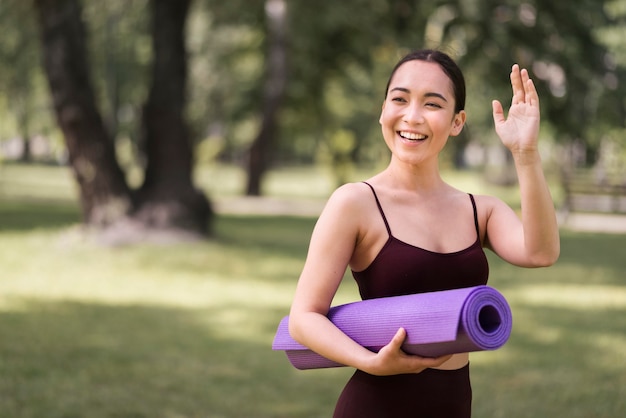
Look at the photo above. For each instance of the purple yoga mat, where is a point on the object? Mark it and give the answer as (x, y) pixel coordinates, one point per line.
(437, 323)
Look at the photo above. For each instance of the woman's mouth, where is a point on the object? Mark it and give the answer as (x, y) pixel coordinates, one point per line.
(412, 136)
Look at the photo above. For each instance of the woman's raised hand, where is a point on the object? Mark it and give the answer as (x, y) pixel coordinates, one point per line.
(519, 130)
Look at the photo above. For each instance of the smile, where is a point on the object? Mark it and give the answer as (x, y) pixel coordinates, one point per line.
(412, 136)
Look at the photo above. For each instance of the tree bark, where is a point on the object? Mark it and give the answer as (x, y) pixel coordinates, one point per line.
(104, 194)
(167, 197)
(276, 78)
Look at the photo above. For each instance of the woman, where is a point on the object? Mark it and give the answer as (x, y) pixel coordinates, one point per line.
(406, 231)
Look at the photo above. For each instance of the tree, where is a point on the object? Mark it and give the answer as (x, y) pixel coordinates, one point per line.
(253, 109)
(21, 79)
(332, 44)
(275, 84)
(167, 200)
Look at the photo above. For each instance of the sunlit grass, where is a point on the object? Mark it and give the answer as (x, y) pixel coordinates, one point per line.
(49, 183)
(186, 331)
(153, 331)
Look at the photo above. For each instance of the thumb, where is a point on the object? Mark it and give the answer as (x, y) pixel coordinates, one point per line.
(398, 338)
(498, 112)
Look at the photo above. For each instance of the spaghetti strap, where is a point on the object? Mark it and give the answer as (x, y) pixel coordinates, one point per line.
(380, 208)
(475, 214)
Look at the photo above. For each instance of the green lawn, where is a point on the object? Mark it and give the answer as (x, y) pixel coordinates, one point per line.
(186, 331)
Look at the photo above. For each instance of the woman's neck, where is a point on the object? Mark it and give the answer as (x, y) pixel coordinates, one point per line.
(424, 178)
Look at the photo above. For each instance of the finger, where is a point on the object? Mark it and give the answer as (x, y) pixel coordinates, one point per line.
(517, 85)
(524, 76)
(532, 97)
(398, 338)
(530, 92)
(525, 81)
(498, 112)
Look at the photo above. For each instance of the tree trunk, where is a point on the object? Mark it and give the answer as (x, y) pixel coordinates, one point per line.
(167, 207)
(23, 121)
(104, 194)
(276, 76)
(167, 199)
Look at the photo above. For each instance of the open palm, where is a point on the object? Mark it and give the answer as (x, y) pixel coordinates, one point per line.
(520, 129)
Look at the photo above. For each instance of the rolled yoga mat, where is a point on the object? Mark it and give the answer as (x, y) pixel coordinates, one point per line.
(437, 323)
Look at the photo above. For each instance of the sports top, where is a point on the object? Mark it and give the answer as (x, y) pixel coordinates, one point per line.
(401, 268)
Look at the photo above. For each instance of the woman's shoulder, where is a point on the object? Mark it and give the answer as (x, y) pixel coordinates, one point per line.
(489, 206)
(351, 193)
(344, 215)
(488, 201)
(348, 199)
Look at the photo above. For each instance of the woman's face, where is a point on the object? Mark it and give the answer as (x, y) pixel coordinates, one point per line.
(418, 113)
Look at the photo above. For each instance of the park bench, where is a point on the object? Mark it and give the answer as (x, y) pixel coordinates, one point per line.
(587, 191)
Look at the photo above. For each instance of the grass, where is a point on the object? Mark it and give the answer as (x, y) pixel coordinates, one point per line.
(185, 331)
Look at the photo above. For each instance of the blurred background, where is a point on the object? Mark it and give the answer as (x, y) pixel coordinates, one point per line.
(138, 97)
(155, 122)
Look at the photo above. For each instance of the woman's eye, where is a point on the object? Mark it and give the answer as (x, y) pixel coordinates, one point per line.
(435, 105)
(398, 99)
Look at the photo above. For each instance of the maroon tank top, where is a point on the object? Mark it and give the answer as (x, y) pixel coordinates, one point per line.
(401, 269)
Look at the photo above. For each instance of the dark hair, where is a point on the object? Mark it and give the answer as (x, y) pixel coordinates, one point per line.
(448, 66)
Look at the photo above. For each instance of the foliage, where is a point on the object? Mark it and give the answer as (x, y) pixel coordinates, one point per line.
(339, 65)
(24, 105)
(120, 47)
(339, 55)
(612, 35)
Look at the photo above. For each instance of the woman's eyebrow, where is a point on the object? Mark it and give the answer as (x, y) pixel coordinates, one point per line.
(430, 94)
(441, 96)
(402, 89)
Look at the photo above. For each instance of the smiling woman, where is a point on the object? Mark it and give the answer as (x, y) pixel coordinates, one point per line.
(406, 231)
(420, 107)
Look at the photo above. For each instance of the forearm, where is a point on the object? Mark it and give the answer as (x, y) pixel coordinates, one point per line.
(541, 233)
(318, 333)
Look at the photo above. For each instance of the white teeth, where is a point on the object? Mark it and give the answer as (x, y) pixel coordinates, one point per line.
(411, 135)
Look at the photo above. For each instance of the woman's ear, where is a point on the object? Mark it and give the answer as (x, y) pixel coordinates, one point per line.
(380, 119)
(458, 122)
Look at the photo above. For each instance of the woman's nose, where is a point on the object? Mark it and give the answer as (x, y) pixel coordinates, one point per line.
(414, 114)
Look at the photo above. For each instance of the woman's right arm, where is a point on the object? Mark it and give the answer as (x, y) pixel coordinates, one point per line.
(333, 242)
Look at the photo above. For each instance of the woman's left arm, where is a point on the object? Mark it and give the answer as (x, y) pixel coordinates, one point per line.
(533, 241)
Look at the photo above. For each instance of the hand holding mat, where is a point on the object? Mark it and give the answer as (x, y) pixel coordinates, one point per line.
(437, 323)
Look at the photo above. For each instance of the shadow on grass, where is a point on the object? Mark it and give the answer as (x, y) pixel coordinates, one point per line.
(72, 359)
(27, 215)
(282, 234)
(594, 250)
(586, 259)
